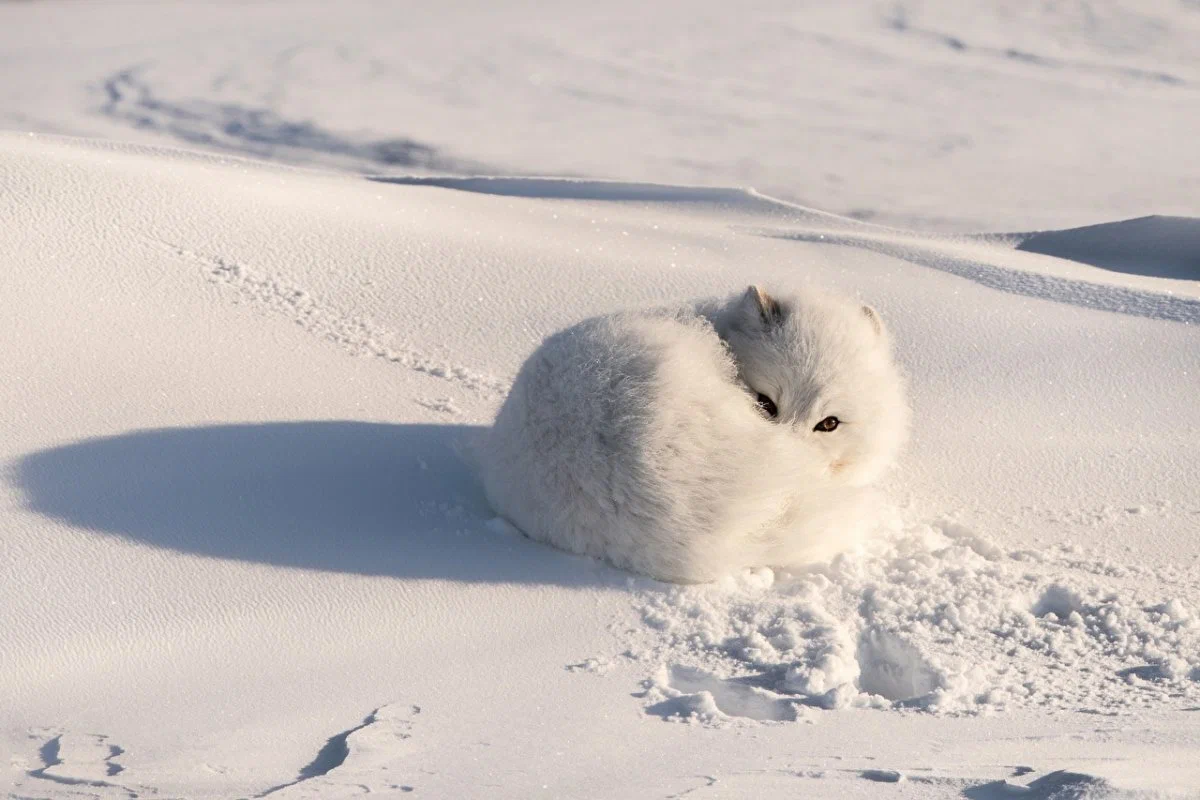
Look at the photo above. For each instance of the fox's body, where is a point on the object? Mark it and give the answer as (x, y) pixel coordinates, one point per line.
(643, 438)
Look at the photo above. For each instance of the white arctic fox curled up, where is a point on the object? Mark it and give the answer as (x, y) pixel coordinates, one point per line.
(688, 443)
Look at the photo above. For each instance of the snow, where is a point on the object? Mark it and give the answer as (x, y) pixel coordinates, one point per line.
(982, 116)
(932, 620)
(242, 546)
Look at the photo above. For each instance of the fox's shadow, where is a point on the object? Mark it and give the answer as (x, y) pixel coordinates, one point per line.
(371, 499)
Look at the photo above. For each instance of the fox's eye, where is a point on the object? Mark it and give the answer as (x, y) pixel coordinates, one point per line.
(828, 424)
(767, 405)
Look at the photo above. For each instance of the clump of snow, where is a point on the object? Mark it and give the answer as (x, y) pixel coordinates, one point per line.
(1061, 602)
(935, 618)
(676, 705)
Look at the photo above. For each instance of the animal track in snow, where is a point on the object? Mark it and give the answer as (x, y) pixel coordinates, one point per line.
(366, 758)
(690, 692)
(835, 779)
(442, 405)
(356, 336)
(898, 22)
(261, 132)
(84, 760)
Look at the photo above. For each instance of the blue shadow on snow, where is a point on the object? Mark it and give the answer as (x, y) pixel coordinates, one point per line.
(353, 497)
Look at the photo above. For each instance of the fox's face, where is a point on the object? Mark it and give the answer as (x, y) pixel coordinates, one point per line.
(822, 368)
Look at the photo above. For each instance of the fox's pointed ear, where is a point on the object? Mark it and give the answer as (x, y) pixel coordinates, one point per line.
(873, 317)
(759, 306)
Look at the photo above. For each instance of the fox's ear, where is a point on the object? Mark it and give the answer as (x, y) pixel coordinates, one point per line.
(873, 317)
(760, 307)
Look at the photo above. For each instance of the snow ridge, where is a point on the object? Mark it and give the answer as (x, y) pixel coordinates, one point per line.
(965, 261)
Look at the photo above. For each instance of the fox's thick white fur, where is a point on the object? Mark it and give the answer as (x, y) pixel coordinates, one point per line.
(637, 437)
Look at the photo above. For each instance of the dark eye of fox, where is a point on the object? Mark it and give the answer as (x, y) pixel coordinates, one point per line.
(827, 424)
(767, 405)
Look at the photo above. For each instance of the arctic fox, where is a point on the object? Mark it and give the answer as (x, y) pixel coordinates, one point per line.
(687, 443)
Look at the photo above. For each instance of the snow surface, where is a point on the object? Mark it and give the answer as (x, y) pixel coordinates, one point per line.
(237, 524)
(241, 553)
(986, 115)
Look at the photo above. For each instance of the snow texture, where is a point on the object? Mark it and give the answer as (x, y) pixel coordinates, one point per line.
(939, 619)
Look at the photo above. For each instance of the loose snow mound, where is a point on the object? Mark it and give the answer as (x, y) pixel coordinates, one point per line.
(932, 617)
